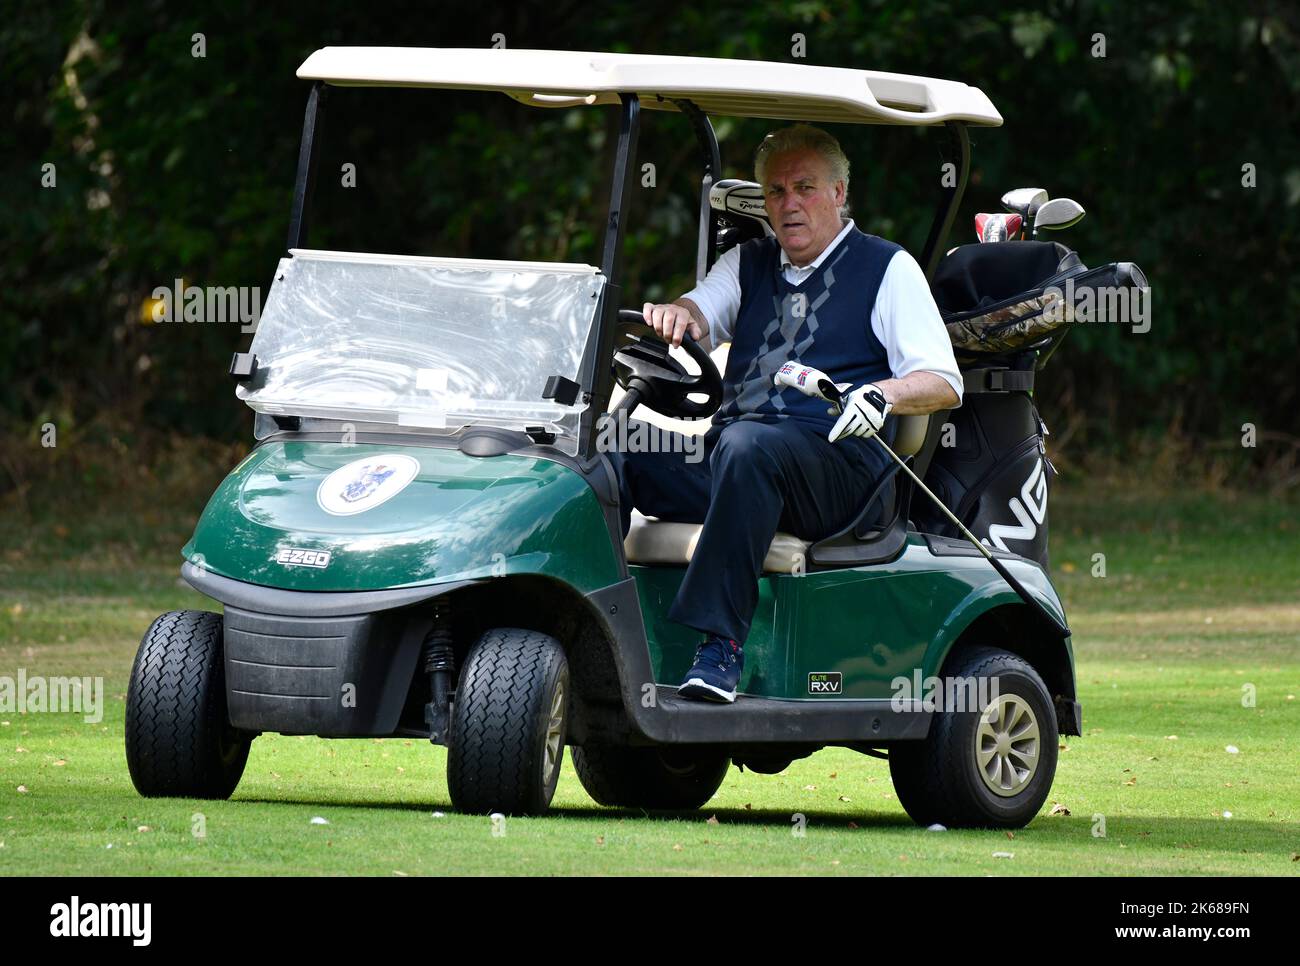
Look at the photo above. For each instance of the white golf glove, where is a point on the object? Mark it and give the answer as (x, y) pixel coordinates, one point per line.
(864, 412)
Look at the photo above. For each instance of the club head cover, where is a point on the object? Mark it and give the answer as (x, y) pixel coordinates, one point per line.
(810, 382)
(997, 227)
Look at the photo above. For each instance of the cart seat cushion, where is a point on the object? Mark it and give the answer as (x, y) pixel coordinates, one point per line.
(909, 435)
(652, 541)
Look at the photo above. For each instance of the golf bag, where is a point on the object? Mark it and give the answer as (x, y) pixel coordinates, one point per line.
(1001, 306)
(1007, 306)
(991, 469)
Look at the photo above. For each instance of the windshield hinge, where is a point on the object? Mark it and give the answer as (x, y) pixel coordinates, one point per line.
(563, 391)
(242, 366)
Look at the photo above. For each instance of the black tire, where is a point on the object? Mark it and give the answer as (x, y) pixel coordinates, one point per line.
(501, 719)
(940, 780)
(179, 741)
(667, 778)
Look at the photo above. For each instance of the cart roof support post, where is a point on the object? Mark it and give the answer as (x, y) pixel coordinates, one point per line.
(598, 376)
(712, 158)
(306, 178)
(958, 154)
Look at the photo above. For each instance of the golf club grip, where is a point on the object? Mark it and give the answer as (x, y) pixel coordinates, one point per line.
(1036, 605)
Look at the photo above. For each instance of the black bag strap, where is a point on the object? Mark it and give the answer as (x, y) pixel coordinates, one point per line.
(998, 380)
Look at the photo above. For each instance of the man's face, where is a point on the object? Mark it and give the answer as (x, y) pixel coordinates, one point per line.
(803, 203)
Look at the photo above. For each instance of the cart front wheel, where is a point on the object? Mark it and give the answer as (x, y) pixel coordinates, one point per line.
(179, 741)
(509, 722)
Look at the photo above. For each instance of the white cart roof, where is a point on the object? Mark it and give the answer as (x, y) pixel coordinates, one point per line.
(734, 88)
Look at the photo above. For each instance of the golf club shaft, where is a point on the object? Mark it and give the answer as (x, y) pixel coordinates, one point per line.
(1015, 585)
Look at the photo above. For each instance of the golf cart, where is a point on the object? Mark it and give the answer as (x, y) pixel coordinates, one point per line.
(425, 540)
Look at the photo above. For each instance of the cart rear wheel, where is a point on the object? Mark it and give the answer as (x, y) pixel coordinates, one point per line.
(179, 741)
(988, 767)
(509, 722)
(668, 778)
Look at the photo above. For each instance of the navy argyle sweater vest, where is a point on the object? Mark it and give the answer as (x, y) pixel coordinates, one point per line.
(824, 322)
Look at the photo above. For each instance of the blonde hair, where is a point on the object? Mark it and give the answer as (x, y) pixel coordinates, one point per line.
(805, 137)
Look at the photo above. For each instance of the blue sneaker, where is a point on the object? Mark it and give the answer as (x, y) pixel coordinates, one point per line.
(716, 671)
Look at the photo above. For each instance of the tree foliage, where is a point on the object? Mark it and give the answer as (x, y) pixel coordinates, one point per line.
(170, 165)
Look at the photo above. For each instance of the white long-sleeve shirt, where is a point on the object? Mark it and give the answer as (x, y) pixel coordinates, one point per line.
(905, 318)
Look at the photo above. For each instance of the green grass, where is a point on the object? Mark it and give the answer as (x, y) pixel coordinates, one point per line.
(1199, 598)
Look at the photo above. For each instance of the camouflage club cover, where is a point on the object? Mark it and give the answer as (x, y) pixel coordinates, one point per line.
(1012, 327)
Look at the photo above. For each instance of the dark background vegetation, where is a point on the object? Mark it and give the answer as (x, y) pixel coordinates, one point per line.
(170, 167)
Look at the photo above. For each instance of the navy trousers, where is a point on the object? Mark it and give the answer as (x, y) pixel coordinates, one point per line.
(756, 477)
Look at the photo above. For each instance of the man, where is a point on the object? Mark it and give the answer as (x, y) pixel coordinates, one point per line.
(821, 292)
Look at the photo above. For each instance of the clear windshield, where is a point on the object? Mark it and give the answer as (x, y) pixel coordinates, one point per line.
(431, 342)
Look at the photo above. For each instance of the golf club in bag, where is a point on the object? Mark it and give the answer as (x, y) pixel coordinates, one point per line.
(1024, 202)
(1029, 210)
(1057, 214)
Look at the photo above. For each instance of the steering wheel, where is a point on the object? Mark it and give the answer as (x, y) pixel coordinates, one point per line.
(644, 368)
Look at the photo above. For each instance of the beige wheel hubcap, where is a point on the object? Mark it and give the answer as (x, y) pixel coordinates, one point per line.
(1007, 743)
(554, 734)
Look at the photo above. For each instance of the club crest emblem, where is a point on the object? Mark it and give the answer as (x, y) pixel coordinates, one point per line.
(369, 481)
(366, 483)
